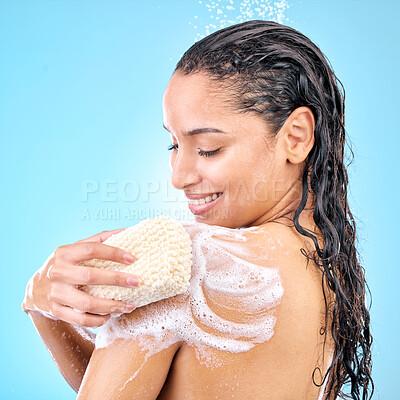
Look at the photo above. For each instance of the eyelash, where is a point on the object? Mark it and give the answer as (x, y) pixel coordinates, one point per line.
(201, 152)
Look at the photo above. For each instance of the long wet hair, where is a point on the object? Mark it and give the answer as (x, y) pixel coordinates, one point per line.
(272, 69)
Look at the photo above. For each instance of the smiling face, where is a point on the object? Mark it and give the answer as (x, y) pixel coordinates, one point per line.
(233, 154)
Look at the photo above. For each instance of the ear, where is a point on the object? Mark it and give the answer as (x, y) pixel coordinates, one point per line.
(298, 134)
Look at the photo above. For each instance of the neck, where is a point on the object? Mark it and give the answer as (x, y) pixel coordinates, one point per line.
(283, 211)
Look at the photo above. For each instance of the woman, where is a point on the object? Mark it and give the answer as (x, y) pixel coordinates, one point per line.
(256, 119)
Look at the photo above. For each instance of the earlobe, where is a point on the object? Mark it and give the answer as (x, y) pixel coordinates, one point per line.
(299, 134)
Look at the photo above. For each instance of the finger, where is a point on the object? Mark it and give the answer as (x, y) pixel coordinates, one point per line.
(83, 251)
(79, 275)
(71, 316)
(102, 236)
(86, 303)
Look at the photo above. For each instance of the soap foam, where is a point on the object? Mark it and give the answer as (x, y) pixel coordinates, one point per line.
(226, 274)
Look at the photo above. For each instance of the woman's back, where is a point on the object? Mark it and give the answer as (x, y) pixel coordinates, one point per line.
(257, 337)
(281, 367)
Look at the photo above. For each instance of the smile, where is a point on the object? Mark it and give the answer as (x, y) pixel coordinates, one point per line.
(200, 206)
(207, 199)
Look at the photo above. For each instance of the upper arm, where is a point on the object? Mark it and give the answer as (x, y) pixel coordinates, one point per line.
(122, 370)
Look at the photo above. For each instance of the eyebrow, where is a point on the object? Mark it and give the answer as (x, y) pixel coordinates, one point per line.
(198, 131)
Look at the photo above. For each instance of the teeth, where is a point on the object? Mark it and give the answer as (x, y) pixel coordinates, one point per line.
(204, 200)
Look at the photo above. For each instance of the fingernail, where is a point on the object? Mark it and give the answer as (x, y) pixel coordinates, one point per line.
(129, 258)
(133, 281)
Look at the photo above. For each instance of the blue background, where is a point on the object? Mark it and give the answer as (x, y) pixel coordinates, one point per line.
(81, 87)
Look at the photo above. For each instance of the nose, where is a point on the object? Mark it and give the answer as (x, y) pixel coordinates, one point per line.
(184, 170)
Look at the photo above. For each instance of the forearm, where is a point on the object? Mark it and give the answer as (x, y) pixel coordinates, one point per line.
(70, 346)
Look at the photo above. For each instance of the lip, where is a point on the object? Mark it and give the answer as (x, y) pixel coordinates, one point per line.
(203, 208)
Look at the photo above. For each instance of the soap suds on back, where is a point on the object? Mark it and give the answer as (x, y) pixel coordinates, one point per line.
(226, 275)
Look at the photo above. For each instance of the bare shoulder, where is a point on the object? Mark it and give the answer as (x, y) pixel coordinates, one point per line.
(302, 304)
(281, 246)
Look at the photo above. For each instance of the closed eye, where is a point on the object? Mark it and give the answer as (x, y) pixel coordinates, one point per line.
(208, 153)
(173, 147)
(201, 152)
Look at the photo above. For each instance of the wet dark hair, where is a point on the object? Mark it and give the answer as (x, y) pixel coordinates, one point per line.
(272, 69)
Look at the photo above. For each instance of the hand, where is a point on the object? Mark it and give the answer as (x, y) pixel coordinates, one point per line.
(52, 290)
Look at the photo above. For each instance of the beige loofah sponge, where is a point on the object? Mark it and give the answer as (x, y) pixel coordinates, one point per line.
(163, 252)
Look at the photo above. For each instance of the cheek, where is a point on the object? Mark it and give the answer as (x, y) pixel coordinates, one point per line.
(255, 161)
(214, 175)
(222, 170)
(231, 173)
(257, 176)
